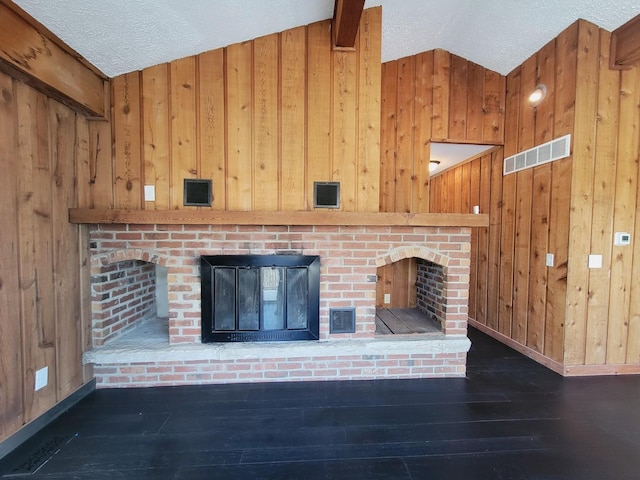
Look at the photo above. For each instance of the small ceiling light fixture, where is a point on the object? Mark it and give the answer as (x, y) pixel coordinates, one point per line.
(538, 94)
(433, 164)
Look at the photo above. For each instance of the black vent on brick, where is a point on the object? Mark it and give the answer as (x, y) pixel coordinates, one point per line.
(342, 320)
(198, 192)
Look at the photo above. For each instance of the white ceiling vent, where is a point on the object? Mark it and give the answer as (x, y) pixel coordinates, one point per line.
(545, 153)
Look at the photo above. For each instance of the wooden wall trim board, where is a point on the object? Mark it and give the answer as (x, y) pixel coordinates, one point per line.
(58, 73)
(203, 217)
(346, 20)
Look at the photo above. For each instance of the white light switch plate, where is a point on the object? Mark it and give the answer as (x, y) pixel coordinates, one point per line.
(149, 193)
(387, 298)
(595, 261)
(550, 259)
(42, 378)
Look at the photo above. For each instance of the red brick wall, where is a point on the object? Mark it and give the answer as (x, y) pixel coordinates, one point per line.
(121, 294)
(349, 259)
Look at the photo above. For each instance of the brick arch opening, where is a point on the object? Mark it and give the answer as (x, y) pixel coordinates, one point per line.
(128, 287)
(440, 292)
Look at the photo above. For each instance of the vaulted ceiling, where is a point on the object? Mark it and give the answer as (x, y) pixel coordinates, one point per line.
(119, 36)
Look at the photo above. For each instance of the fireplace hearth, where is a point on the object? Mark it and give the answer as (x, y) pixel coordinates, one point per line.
(260, 298)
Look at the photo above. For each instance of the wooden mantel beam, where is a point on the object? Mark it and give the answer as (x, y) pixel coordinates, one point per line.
(31, 53)
(213, 217)
(625, 45)
(346, 20)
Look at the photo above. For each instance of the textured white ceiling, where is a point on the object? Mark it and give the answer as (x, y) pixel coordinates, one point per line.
(119, 36)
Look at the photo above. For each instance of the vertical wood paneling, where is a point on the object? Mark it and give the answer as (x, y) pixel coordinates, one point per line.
(292, 141)
(581, 192)
(36, 247)
(11, 371)
(66, 266)
(602, 210)
(441, 91)
(100, 165)
(493, 107)
(564, 114)
(524, 199)
(369, 91)
(319, 91)
(266, 165)
(458, 107)
(211, 124)
(239, 126)
(155, 114)
(126, 128)
(183, 148)
(495, 234)
(422, 131)
(388, 137)
(345, 128)
(624, 217)
(540, 204)
(404, 135)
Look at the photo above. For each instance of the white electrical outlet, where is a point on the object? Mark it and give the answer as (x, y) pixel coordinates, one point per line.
(387, 298)
(42, 378)
(621, 238)
(595, 261)
(149, 193)
(550, 259)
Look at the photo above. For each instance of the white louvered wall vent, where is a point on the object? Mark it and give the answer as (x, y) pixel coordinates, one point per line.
(545, 153)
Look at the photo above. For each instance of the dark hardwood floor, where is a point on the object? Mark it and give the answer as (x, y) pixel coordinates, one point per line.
(509, 419)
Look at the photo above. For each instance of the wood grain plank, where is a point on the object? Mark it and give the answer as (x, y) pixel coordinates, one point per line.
(602, 206)
(441, 94)
(559, 218)
(266, 167)
(155, 134)
(10, 341)
(388, 132)
(624, 217)
(319, 106)
(126, 127)
(345, 128)
(404, 135)
(293, 191)
(475, 102)
(211, 123)
(35, 232)
(66, 265)
(183, 144)
(369, 92)
(101, 165)
(83, 161)
(422, 131)
(581, 193)
(494, 107)
(524, 200)
(239, 126)
(459, 90)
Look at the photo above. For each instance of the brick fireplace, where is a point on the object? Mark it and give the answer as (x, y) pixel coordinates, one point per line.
(350, 257)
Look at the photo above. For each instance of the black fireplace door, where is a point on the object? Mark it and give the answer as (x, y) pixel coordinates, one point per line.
(258, 298)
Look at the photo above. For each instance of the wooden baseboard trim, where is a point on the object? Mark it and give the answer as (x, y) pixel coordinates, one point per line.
(523, 349)
(594, 370)
(22, 435)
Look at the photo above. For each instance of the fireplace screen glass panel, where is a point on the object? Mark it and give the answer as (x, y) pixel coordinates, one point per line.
(260, 297)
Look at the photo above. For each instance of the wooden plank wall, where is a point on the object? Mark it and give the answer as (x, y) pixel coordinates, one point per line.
(263, 119)
(41, 300)
(432, 97)
(575, 319)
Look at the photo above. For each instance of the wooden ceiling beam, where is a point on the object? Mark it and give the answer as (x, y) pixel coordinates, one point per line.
(35, 56)
(625, 45)
(346, 20)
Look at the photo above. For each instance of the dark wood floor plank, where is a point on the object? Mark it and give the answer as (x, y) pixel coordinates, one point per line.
(510, 418)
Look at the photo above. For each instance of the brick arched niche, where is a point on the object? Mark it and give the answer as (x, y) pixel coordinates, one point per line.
(128, 286)
(442, 285)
